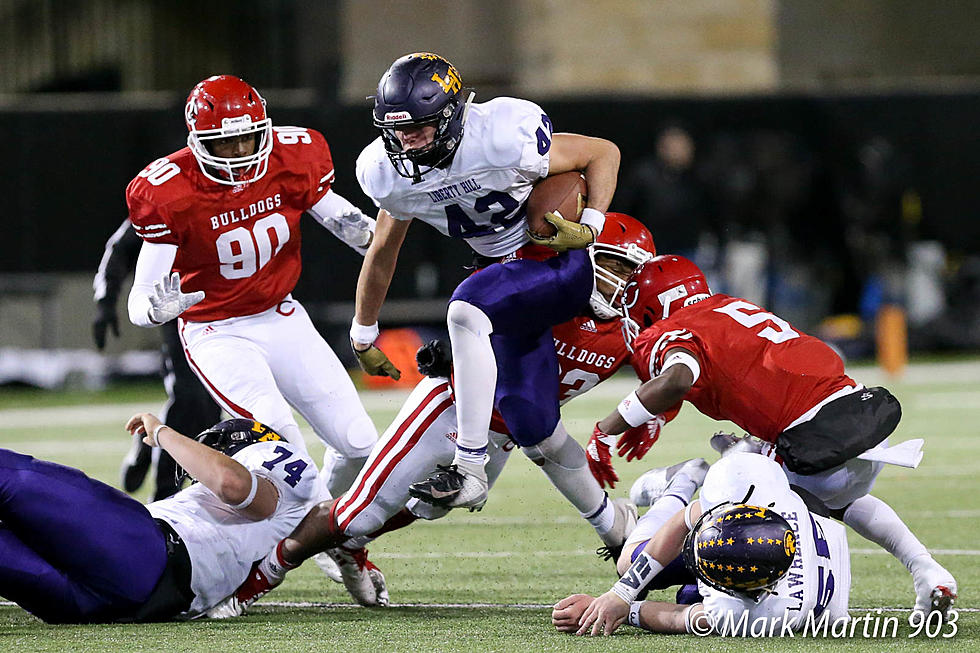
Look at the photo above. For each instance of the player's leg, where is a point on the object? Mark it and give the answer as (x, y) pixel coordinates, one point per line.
(93, 547)
(189, 408)
(316, 384)
(233, 366)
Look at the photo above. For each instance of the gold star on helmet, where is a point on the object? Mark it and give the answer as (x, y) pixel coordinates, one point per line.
(770, 541)
(731, 540)
(730, 568)
(728, 580)
(753, 568)
(741, 568)
(738, 515)
(728, 517)
(751, 540)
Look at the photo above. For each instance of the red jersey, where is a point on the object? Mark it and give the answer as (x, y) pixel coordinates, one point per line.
(239, 244)
(756, 369)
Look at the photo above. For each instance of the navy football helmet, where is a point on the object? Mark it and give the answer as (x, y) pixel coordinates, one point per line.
(421, 89)
(231, 436)
(740, 549)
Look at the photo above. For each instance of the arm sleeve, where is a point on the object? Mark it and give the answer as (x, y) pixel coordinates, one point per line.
(121, 251)
(344, 220)
(154, 262)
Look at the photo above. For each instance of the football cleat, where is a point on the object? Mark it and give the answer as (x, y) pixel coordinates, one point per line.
(449, 487)
(935, 588)
(135, 465)
(623, 524)
(363, 580)
(655, 483)
(328, 567)
(726, 443)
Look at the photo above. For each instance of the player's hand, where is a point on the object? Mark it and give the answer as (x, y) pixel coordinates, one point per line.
(604, 615)
(105, 319)
(374, 361)
(355, 229)
(144, 424)
(568, 235)
(636, 441)
(167, 301)
(566, 613)
(599, 456)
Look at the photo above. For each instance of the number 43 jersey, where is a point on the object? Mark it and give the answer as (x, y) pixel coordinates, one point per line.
(221, 543)
(755, 369)
(480, 196)
(239, 244)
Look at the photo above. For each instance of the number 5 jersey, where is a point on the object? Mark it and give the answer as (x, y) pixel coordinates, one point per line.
(240, 244)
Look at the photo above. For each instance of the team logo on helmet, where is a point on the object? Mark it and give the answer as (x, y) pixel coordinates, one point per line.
(190, 112)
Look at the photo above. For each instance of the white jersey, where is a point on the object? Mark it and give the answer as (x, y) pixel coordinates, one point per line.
(819, 579)
(480, 196)
(223, 544)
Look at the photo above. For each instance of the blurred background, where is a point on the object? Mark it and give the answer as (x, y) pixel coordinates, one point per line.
(819, 157)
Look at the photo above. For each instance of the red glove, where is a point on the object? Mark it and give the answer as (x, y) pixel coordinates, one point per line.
(600, 457)
(636, 441)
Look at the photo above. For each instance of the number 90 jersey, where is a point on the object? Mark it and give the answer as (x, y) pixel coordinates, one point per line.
(221, 543)
(239, 244)
(756, 369)
(480, 196)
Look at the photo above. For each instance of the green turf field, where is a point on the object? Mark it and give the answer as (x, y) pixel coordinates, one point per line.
(478, 582)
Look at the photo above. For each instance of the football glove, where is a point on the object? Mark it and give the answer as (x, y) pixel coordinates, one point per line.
(374, 361)
(568, 235)
(167, 301)
(599, 456)
(635, 442)
(105, 320)
(435, 359)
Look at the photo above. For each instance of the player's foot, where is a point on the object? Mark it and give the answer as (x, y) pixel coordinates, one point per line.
(623, 524)
(135, 465)
(363, 580)
(726, 443)
(328, 567)
(935, 588)
(453, 486)
(655, 483)
(255, 587)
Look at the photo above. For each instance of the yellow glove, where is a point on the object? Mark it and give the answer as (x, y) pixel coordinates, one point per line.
(373, 361)
(568, 235)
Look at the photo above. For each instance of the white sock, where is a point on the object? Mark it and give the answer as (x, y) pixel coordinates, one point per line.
(603, 518)
(874, 520)
(274, 567)
(681, 487)
(474, 378)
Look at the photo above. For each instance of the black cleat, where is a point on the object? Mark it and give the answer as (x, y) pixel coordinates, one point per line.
(135, 465)
(450, 488)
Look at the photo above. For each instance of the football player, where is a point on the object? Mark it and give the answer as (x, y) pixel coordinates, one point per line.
(110, 558)
(189, 407)
(762, 557)
(220, 223)
(422, 437)
(735, 361)
(467, 170)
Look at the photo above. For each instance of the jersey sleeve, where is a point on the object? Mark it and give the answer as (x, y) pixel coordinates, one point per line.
(147, 212)
(520, 137)
(320, 161)
(375, 174)
(290, 470)
(652, 347)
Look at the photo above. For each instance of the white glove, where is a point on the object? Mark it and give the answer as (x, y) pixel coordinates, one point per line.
(353, 228)
(167, 302)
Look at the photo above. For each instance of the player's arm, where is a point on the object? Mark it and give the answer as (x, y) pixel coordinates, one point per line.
(344, 220)
(121, 251)
(372, 287)
(656, 396)
(156, 297)
(598, 159)
(253, 496)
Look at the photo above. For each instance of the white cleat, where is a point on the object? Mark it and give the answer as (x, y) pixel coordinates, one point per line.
(363, 580)
(623, 524)
(655, 483)
(459, 485)
(726, 443)
(935, 588)
(328, 567)
(227, 609)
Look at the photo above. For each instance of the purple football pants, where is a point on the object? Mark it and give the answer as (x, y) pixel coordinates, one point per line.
(524, 299)
(73, 549)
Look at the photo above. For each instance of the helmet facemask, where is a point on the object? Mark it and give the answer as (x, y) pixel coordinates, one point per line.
(631, 256)
(233, 171)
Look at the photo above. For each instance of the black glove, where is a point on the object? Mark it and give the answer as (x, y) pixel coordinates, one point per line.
(435, 359)
(105, 318)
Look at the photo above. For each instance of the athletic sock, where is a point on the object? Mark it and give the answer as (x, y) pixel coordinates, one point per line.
(274, 567)
(875, 520)
(474, 376)
(603, 518)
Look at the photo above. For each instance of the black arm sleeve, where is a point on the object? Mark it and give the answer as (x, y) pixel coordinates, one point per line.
(121, 251)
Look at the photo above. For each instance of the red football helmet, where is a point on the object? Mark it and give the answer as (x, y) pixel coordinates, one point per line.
(658, 288)
(627, 240)
(223, 107)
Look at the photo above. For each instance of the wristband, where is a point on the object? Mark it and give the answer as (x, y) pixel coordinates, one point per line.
(364, 335)
(156, 434)
(251, 493)
(634, 618)
(633, 411)
(640, 573)
(593, 218)
(687, 516)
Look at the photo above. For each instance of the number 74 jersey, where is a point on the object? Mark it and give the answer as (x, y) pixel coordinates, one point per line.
(756, 369)
(239, 244)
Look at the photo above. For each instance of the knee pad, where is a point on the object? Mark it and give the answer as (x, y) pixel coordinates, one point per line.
(557, 449)
(463, 315)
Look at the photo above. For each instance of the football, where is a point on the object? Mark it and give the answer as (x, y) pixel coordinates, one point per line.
(564, 194)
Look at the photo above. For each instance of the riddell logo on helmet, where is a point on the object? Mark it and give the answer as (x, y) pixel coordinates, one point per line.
(239, 121)
(398, 115)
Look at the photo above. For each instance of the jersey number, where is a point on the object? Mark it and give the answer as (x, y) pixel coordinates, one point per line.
(737, 311)
(576, 382)
(294, 470)
(292, 135)
(825, 576)
(461, 226)
(159, 171)
(242, 252)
